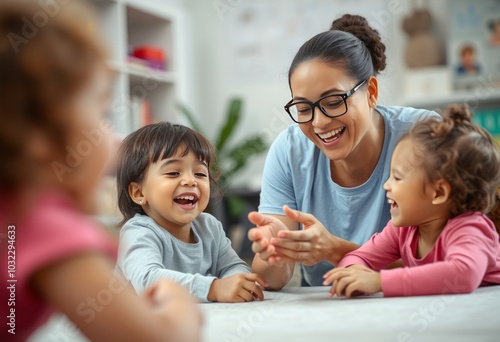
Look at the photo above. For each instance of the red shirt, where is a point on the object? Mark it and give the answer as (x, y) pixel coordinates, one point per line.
(52, 231)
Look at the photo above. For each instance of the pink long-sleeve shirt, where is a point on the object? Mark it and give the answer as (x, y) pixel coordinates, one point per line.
(466, 255)
(52, 231)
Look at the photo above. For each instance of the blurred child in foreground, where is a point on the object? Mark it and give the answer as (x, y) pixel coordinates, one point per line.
(54, 146)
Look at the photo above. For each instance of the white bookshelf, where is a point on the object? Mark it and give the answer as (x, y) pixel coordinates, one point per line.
(125, 24)
(485, 97)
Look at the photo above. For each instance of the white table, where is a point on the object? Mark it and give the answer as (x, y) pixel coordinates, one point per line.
(307, 314)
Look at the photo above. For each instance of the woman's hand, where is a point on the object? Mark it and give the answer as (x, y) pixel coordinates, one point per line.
(268, 227)
(353, 281)
(309, 246)
(238, 288)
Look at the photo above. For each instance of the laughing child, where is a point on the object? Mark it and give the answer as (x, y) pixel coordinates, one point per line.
(163, 188)
(443, 182)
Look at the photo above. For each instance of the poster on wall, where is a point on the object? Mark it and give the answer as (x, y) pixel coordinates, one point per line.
(474, 44)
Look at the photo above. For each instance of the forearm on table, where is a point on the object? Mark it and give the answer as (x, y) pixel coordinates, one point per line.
(339, 248)
(276, 276)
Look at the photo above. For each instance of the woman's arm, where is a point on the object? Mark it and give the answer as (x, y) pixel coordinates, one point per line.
(106, 308)
(276, 273)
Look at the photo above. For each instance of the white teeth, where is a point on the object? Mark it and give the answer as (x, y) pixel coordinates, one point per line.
(331, 133)
(390, 201)
(189, 198)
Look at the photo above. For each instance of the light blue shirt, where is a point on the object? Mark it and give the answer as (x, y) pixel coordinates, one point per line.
(147, 253)
(297, 173)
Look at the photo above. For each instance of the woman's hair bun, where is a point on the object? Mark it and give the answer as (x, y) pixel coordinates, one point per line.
(359, 27)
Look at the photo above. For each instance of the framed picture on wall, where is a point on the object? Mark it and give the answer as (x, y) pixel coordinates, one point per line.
(474, 44)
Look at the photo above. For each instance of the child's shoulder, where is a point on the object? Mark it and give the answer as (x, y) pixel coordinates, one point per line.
(54, 216)
(208, 223)
(473, 222)
(54, 230)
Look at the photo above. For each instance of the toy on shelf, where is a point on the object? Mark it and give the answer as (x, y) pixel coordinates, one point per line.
(147, 57)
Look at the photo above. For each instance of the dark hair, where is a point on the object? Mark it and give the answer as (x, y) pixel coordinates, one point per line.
(351, 44)
(150, 144)
(38, 75)
(464, 154)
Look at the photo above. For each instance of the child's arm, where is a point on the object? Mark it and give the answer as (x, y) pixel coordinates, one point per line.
(467, 253)
(235, 283)
(106, 309)
(140, 261)
(468, 248)
(228, 262)
(377, 253)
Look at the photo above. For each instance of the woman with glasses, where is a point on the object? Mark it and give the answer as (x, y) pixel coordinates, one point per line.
(333, 162)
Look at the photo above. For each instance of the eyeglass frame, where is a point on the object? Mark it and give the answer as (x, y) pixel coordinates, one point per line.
(313, 105)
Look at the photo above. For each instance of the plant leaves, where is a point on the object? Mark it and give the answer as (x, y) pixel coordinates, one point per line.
(233, 116)
(240, 154)
(190, 117)
(229, 160)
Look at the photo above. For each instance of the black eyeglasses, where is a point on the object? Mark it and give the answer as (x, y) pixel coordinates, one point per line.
(332, 106)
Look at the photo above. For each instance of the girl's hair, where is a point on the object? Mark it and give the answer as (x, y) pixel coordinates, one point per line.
(151, 144)
(464, 154)
(350, 44)
(42, 67)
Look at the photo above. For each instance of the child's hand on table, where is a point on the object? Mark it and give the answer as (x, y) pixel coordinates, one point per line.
(352, 281)
(238, 288)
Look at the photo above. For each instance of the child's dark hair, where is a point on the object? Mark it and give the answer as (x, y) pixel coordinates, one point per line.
(151, 144)
(464, 154)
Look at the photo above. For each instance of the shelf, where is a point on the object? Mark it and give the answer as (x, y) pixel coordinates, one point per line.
(477, 97)
(139, 72)
(125, 25)
(147, 29)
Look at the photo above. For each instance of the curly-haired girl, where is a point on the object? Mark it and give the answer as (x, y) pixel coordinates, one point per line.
(443, 181)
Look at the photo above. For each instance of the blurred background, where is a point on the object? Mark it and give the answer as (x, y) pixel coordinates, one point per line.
(220, 66)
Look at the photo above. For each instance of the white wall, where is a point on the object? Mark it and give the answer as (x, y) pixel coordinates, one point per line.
(251, 58)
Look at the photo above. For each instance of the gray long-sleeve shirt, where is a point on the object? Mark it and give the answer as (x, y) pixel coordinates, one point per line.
(148, 253)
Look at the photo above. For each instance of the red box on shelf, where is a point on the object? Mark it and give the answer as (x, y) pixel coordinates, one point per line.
(149, 52)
